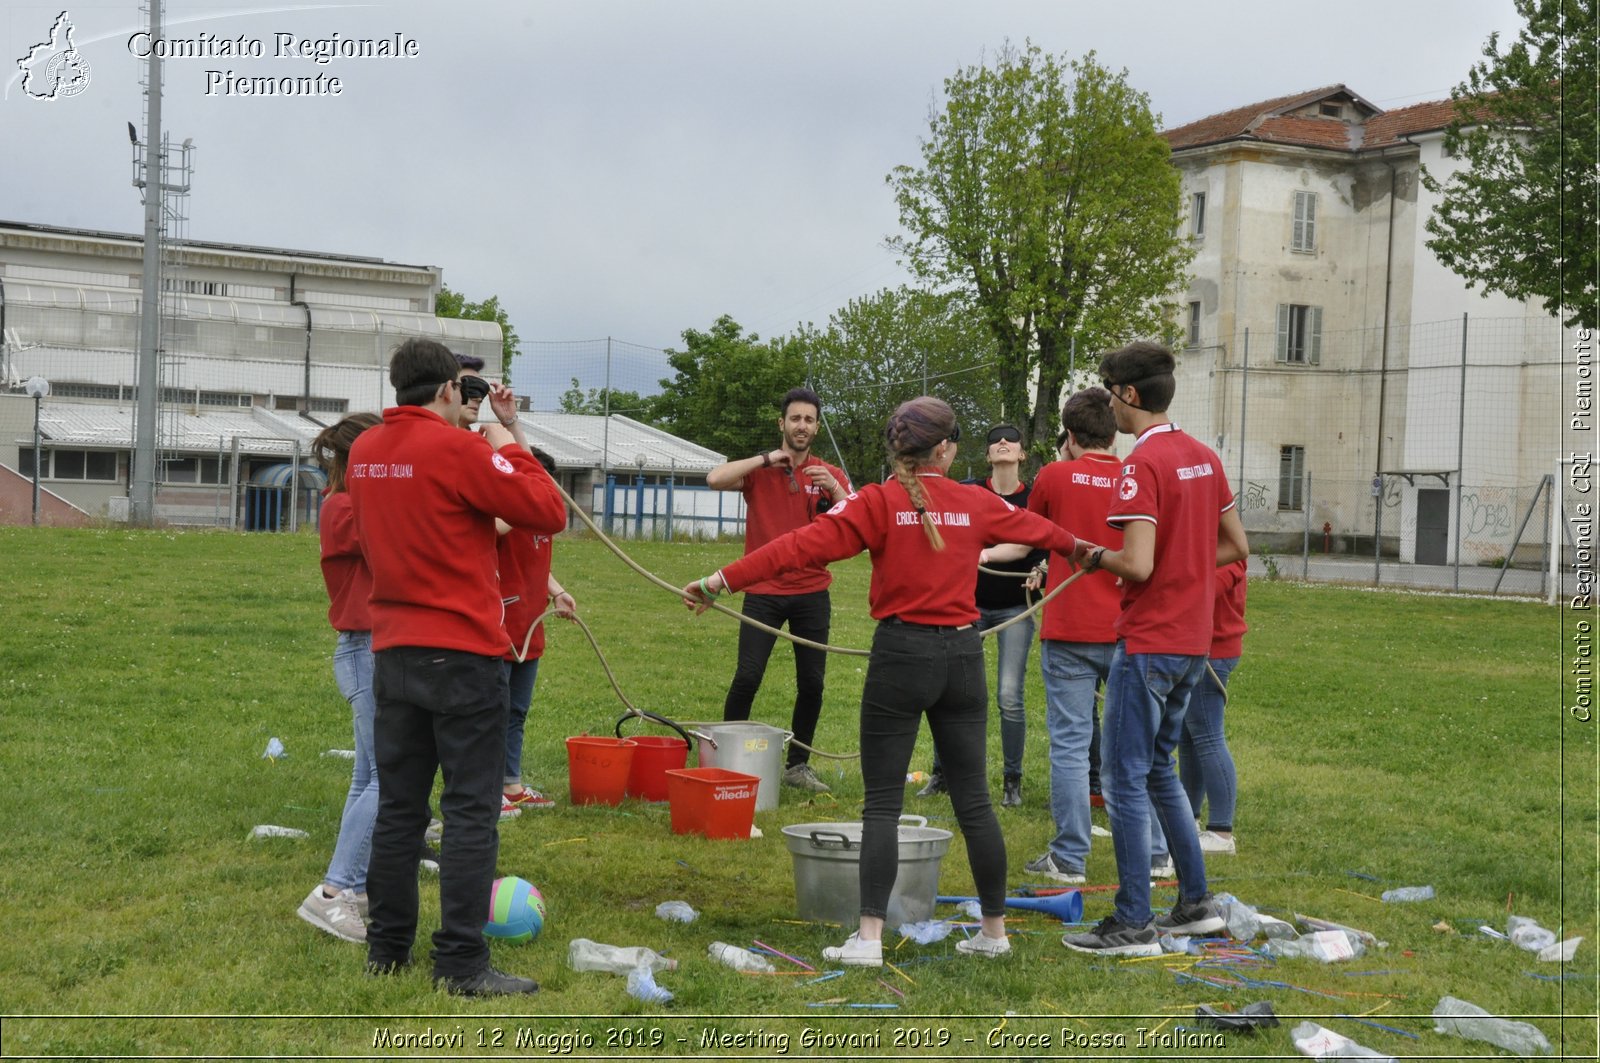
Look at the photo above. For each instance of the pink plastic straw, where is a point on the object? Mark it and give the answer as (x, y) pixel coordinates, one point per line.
(798, 963)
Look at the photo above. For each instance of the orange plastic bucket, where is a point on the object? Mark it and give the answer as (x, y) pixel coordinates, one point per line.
(653, 757)
(712, 801)
(597, 769)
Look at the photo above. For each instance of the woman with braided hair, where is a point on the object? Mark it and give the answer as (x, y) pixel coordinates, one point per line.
(923, 532)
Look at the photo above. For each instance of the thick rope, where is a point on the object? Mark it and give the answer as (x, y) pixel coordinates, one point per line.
(611, 545)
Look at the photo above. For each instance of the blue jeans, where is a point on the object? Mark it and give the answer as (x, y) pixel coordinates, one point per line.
(1147, 695)
(914, 671)
(520, 676)
(1204, 762)
(352, 669)
(1011, 670)
(1071, 671)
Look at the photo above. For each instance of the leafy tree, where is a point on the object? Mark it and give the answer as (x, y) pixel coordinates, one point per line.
(727, 388)
(627, 403)
(882, 349)
(453, 304)
(1519, 217)
(1046, 195)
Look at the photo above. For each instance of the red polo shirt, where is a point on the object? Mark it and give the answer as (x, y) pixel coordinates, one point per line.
(524, 558)
(1175, 482)
(777, 503)
(1077, 495)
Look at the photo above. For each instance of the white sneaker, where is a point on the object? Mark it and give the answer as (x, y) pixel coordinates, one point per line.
(981, 944)
(856, 953)
(1163, 871)
(337, 915)
(1212, 842)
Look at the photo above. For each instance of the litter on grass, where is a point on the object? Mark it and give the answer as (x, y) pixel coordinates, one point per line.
(343, 754)
(642, 986)
(676, 911)
(1465, 1019)
(1319, 1042)
(927, 931)
(1329, 946)
(274, 750)
(1248, 1019)
(267, 830)
(1561, 952)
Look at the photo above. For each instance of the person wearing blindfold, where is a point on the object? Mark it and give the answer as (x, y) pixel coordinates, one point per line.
(1000, 598)
(526, 585)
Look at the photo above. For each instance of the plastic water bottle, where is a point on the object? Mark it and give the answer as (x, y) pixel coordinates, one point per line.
(1527, 934)
(1319, 1042)
(737, 958)
(586, 955)
(679, 911)
(1408, 893)
(916, 776)
(642, 986)
(268, 830)
(1328, 946)
(1468, 1020)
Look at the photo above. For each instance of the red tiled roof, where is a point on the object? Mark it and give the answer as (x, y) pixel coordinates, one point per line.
(1267, 122)
(1229, 125)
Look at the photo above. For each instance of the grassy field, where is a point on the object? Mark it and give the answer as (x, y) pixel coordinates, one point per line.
(1382, 740)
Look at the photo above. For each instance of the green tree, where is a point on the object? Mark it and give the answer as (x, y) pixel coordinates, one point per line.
(594, 401)
(1519, 216)
(1046, 195)
(726, 390)
(882, 349)
(453, 304)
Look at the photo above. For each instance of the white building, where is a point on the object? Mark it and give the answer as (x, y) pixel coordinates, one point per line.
(261, 348)
(1324, 337)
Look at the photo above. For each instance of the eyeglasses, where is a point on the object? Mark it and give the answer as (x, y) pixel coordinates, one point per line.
(955, 434)
(473, 388)
(1005, 432)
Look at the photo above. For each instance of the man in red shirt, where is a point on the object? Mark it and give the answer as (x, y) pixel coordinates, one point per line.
(1179, 524)
(785, 489)
(425, 496)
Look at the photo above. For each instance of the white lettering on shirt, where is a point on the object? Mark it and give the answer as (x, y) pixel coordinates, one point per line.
(1190, 472)
(954, 520)
(1091, 481)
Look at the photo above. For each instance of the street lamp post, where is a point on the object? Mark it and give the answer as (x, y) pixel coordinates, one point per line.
(38, 387)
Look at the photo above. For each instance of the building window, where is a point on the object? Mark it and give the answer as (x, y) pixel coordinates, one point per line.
(1330, 110)
(1304, 237)
(84, 391)
(1197, 216)
(1291, 477)
(1299, 334)
(194, 471)
(1194, 324)
(69, 464)
(329, 405)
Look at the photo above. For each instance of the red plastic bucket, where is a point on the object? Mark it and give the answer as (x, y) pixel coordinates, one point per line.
(653, 757)
(597, 769)
(712, 801)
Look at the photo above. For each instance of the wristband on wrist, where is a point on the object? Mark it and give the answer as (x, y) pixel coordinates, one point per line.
(766, 458)
(705, 589)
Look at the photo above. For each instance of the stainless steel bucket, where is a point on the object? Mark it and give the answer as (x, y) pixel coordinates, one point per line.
(741, 745)
(827, 871)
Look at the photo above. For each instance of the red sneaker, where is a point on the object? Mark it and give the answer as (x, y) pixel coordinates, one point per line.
(527, 798)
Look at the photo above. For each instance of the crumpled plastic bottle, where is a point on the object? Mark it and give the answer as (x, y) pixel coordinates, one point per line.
(678, 911)
(1465, 1019)
(274, 750)
(586, 955)
(268, 830)
(927, 931)
(642, 986)
(1319, 1042)
(1408, 893)
(1527, 934)
(737, 958)
(1329, 946)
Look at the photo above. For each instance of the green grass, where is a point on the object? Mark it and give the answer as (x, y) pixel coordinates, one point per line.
(1410, 738)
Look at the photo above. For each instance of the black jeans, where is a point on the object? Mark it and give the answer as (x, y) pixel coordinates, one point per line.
(436, 709)
(938, 671)
(808, 616)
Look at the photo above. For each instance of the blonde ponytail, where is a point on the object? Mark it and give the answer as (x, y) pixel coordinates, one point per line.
(905, 471)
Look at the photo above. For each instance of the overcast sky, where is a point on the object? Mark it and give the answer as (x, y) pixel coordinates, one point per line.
(633, 168)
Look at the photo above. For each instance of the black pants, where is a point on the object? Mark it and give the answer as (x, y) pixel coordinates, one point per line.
(436, 709)
(808, 616)
(938, 672)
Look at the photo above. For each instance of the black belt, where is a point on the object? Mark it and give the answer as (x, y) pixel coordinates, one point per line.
(925, 627)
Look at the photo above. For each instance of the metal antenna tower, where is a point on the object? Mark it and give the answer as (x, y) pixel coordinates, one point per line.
(161, 173)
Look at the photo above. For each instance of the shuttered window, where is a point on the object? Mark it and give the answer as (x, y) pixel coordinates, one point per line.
(1299, 334)
(1304, 237)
